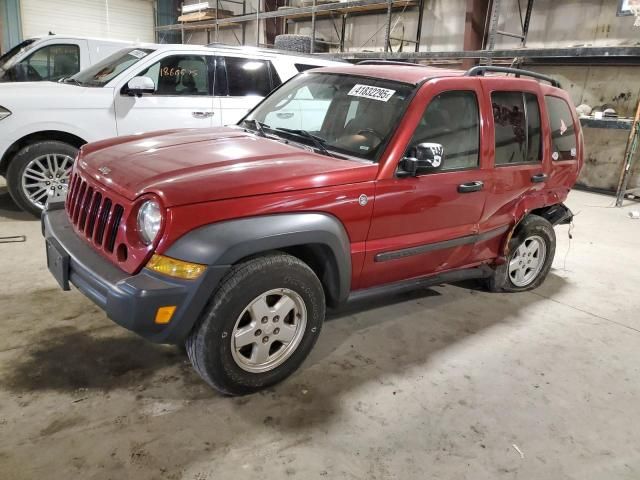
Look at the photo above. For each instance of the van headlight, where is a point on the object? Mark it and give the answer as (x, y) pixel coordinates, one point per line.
(149, 221)
(4, 113)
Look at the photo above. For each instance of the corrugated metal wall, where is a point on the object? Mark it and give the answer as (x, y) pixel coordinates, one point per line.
(116, 19)
(10, 18)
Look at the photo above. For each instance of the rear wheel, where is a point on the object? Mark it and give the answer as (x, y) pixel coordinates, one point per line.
(260, 325)
(39, 170)
(531, 252)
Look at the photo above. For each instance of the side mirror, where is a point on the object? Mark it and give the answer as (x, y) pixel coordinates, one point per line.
(424, 157)
(140, 85)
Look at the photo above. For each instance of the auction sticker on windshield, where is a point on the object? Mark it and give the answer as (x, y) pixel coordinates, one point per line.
(138, 53)
(374, 93)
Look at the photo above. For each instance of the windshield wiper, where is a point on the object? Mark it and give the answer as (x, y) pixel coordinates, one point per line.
(319, 142)
(257, 126)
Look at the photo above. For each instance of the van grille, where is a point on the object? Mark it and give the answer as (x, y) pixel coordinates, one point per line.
(93, 213)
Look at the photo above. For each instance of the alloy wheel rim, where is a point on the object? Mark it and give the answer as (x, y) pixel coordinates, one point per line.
(527, 261)
(269, 330)
(45, 175)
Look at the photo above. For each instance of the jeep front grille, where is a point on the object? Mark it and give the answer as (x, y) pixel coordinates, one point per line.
(93, 213)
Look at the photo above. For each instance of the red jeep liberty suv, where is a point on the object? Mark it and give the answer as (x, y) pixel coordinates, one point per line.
(343, 182)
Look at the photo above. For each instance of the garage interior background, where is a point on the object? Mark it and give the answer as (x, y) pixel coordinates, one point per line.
(591, 46)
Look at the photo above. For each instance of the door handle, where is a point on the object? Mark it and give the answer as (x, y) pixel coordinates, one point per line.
(202, 114)
(284, 114)
(469, 187)
(539, 178)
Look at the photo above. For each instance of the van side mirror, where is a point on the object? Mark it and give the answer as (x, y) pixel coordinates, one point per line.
(137, 86)
(422, 158)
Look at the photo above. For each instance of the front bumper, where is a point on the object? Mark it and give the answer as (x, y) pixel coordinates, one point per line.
(129, 300)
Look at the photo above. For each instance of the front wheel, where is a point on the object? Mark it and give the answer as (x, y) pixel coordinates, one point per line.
(260, 325)
(37, 171)
(531, 252)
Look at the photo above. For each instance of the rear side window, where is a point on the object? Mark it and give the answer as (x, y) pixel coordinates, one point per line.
(451, 119)
(563, 135)
(246, 76)
(516, 116)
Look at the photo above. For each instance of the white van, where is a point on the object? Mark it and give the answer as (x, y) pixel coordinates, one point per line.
(136, 90)
(54, 57)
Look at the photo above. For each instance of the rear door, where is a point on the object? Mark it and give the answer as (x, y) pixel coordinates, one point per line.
(241, 83)
(183, 96)
(426, 224)
(518, 149)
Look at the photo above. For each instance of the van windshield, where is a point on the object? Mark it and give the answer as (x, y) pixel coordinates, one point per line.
(103, 72)
(334, 113)
(9, 58)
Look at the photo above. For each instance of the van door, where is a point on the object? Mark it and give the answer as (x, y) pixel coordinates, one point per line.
(243, 83)
(183, 96)
(429, 223)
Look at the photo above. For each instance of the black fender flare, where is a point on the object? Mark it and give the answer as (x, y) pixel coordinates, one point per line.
(227, 242)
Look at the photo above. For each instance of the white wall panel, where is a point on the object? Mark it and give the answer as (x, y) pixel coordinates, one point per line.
(115, 19)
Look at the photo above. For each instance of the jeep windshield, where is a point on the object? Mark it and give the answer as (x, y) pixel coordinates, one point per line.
(333, 113)
(103, 72)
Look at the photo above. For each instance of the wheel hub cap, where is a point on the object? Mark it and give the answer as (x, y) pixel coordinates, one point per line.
(46, 175)
(268, 330)
(527, 261)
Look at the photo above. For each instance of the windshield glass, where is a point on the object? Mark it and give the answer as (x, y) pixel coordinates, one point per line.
(336, 113)
(6, 60)
(103, 72)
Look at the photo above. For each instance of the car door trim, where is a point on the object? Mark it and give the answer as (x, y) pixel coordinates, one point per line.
(429, 247)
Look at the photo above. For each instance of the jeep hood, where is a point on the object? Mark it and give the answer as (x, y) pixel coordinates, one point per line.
(199, 165)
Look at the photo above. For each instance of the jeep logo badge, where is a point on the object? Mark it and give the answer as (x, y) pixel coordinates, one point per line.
(104, 170)
(363, 200)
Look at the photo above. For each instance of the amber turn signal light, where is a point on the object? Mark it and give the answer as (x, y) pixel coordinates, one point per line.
(175, 268)
(164, 314)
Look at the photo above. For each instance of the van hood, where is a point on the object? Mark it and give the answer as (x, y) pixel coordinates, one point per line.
(198, 165)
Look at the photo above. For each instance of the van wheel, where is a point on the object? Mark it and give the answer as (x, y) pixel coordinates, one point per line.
(260, 325)
(531, 252)
(37, 170)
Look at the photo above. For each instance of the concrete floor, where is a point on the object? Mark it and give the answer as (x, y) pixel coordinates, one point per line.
(443, 383)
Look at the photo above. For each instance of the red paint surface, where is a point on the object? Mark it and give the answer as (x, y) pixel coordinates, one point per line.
(206, 176)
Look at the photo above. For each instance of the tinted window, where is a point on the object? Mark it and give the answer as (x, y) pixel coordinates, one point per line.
(180, 75)
(248, 77)
(516, 117)
(563, 135)
(52, 63)
(451, 119)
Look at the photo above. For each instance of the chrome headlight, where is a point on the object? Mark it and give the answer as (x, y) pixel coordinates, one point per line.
(149, 221)
(4, 113)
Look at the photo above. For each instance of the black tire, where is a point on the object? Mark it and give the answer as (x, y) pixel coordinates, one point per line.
(20, 162)
(209, 344)
(532, 225)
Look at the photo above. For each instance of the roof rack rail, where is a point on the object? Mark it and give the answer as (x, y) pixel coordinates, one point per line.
(479, 71)
(388, 62)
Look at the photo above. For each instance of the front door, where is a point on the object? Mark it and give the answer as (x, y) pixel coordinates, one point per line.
(183, 97)
(429, 223)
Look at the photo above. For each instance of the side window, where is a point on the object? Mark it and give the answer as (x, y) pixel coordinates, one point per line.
(452, 120)
(179, 75)
(247, 76)
(516, 117)
(53, 62)
(563, 134)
